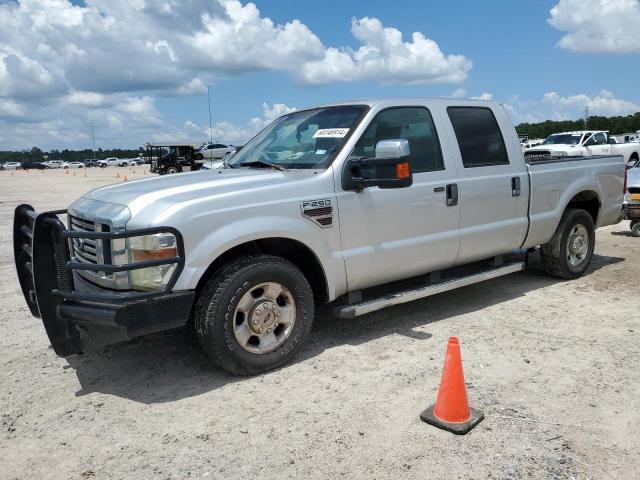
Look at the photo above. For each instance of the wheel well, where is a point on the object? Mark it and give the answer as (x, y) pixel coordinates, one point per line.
(633, 156)
(292, 250)
(588, 201)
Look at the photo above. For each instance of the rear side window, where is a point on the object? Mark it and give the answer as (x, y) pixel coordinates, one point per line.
(409, 123)
(479, 136)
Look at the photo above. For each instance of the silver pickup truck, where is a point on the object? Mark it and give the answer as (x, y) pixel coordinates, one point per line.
(365, 204)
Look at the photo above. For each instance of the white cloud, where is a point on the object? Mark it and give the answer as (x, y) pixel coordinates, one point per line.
(484, 96)
(85, 99)
(598, 25)
(226, 132)
(386, 58)
(106, 61)
(458, 93)
(553, 106)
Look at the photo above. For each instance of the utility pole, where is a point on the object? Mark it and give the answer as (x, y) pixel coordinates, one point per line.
(210, 129)
(586, 116)
(93, 140)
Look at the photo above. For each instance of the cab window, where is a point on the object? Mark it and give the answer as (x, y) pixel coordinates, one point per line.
(479, 136)
(413, 124)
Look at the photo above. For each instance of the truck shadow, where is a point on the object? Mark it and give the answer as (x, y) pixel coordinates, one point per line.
(170, 366)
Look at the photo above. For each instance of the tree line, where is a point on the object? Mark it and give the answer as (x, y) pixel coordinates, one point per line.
(37, 155)
(615, 125)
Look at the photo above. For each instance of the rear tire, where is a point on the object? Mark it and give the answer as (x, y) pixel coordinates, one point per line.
(568, 254)
(232, 307)
(635, 228)
(171, 169)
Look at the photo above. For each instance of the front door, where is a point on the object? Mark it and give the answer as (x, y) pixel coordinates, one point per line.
(390, 234)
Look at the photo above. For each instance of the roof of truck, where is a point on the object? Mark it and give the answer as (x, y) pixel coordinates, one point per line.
(580, 132)
(402, 101)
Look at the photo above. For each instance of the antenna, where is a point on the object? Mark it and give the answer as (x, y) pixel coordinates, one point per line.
(210, 129)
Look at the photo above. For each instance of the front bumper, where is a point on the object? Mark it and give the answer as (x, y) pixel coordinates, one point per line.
(80, 319)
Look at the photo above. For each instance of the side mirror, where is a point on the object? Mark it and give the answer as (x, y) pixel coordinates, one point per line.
(390, 168)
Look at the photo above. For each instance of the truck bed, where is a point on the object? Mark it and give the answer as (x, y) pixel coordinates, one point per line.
(553, 182)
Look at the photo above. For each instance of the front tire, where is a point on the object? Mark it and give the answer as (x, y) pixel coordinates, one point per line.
(635, 228)
(171, 169)
(254, 314)
(568, 254)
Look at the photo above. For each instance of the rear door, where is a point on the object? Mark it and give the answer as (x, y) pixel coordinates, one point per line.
(390, 234)
(493, 182)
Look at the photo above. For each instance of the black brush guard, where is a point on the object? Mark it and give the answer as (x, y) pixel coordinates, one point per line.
(76, 321)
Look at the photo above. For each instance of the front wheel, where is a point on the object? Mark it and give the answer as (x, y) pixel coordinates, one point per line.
(254, 314)
(568, 253)
(171, 169)
(635, 228)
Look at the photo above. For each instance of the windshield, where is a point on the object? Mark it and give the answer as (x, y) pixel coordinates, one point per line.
(305, 139)
(563, 139)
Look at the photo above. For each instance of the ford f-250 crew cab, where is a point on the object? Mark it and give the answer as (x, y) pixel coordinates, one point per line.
(584, 144)
(337, 203)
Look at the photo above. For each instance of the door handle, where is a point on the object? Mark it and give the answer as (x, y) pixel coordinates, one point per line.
(452, 195)
(438, 189)
(515, 186)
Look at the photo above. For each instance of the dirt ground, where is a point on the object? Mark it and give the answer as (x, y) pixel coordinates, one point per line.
(555, 366)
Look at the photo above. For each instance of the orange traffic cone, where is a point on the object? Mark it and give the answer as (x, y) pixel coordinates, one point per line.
(451, 411)
(74, 174)
(125, 178)
(85, 172)
(66, 171)
(118, 175)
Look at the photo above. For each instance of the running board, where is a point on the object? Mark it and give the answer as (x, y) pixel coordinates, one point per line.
(368, 306)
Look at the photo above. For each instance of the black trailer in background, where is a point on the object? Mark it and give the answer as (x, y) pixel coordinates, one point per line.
(171, 158)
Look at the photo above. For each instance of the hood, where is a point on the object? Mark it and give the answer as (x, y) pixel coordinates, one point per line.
(552, 146)
(169, 190)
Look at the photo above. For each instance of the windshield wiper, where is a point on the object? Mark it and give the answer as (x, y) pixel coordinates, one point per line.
(258, 163)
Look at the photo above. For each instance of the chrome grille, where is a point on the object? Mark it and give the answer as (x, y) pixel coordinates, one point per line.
(84, 249)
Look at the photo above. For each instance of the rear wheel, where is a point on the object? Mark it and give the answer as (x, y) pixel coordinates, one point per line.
(254, 314)
(635, 228)
(568, 253)
(173, 169)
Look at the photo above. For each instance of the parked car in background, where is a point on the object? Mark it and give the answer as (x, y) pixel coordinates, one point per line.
(53, 163)
(73, 165)
(90, 162)
(133, 162)
(108, 162)
(213, 164)
(212, 151)
(11, 166)
(34, 166)
(338, 202)
(584, 143)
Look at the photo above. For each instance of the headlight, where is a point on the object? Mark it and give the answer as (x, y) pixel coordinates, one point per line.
(152, 247)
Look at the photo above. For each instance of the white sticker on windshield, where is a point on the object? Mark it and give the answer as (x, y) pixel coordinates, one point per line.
(331, 133)
(320, 152)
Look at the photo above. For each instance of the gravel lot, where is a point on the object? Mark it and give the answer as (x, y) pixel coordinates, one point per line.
(554, 365)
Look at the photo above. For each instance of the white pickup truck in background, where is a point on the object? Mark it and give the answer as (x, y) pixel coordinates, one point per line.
(585, 144)
(366, 204)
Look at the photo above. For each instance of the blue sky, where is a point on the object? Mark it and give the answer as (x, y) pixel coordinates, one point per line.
(140, 74)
